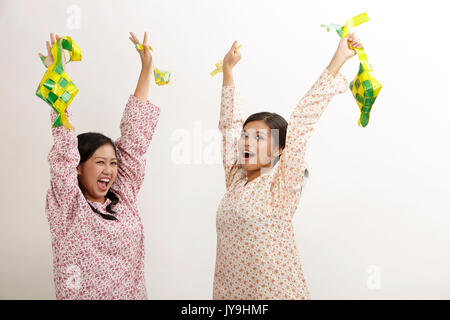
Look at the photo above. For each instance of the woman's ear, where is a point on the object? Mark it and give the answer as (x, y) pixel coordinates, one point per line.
(78, 170)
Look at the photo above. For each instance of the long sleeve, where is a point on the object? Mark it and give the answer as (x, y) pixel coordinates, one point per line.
(137, 126)
(63, 159)
(301, 126)
(230, 126)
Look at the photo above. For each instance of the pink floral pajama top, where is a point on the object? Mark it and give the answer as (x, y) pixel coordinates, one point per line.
(96, 258)
(257, 257)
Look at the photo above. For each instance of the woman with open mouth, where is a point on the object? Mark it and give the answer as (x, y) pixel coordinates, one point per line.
(91, 206)
(265, 169)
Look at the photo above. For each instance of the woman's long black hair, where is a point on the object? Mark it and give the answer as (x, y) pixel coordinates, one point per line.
(277, 122)
(88, 143)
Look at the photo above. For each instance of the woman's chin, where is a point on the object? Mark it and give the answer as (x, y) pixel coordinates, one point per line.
(103, 193)
(250, 167)
(100, 193)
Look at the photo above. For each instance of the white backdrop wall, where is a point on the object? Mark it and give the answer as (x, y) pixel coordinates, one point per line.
(373, 221)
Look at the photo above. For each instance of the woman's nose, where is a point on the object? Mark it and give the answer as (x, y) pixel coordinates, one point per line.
(108, 169)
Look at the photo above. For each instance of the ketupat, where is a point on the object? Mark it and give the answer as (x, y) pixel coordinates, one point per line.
(161, 77)
(56, 88)
(364, 87)
(219, 68)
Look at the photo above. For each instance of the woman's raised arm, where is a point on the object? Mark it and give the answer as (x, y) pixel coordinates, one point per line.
(137, 126)
(307, 113)
(231, 121)
(63, 157)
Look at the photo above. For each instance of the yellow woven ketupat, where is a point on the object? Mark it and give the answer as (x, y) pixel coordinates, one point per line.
(56, 88)
(161, 77)
(219, 68)
(364, 87)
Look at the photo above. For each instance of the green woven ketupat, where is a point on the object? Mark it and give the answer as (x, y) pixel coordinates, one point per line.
(161, 77)
(364, 87)
(56, 88)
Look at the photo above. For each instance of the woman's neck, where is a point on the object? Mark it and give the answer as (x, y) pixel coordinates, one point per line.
(252, 175)
(100, 200)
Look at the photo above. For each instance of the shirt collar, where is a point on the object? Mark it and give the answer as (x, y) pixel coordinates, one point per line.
(99, 205)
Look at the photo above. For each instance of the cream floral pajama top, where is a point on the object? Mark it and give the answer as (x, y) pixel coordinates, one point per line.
(257, 257)
(96, 258)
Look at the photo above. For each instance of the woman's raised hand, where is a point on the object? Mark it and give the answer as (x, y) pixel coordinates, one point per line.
(145, 54)
(232, 57)
(344, 51)
(49, 59)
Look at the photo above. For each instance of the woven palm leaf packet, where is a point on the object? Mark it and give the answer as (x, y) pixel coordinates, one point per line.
(162, 77)
(219, 68)
(56, 88)
(364, 87)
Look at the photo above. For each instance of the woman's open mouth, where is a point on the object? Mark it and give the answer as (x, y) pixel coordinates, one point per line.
(102, 184)
(248, 155)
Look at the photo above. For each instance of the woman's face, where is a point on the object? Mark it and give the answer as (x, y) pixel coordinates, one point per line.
(257, 146)
(97, 174)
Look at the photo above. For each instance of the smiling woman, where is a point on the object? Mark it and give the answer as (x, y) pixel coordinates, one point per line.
(97, 170)
(271, 130)
(265, 170)
(92, 201)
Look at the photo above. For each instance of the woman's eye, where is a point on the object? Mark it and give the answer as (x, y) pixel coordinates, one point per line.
(100, 162)
(114, 163)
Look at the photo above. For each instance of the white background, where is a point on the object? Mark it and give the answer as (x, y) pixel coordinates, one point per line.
(376, 205)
